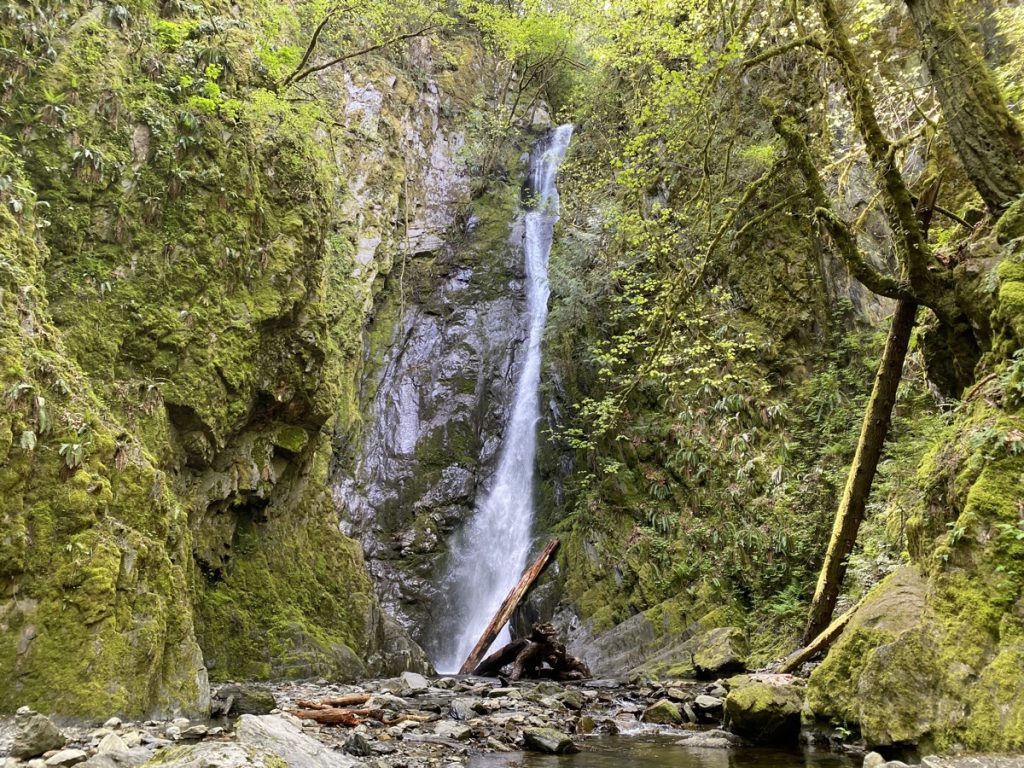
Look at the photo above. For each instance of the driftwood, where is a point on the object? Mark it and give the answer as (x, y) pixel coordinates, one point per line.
(527, 657)
(508, 606)
(324, 714)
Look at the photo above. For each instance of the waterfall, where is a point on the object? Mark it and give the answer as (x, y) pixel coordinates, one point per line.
(489, 554)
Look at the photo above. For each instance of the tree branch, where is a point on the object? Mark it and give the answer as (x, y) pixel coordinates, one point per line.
(846, 244)
(362, 52)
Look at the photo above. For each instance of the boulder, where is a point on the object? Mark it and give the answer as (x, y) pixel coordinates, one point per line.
(415, 682)
(663, 712)
(448, 729)
(279, 736)
(357, 744)
(549, 741)
(35, 734)
(112, 742)
(720, 651)
(134, 757)
(66, 758)
(764, 709)
(214, 754)
(243, 700)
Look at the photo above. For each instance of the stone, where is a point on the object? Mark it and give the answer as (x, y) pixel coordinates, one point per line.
(113, 724)
(279, 736)
(713, 739)
(67, 757)
(194, 732)
(134, 757)
(451, 730)
(463, 708)
(572, 699)
(689, 713)
(873, 760)
(415, 682)
(662, 712)
(765, 709)
(35, 734)
(708, 702)
(243, 700)
(497, 693)
(357, 744)
(549, 741)
(112, 742)
(720, 651)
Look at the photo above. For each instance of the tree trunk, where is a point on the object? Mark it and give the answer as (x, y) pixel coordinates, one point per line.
(862, 472)
(986, 138)
(508, 606)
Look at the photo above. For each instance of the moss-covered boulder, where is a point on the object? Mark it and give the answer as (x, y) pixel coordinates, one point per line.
(663, 712)
(764, 708)
(720, 651)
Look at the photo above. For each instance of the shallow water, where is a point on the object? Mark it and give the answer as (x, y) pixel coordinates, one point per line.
(665, 752)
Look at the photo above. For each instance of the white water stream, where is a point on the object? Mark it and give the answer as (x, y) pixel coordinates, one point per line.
(489, 555)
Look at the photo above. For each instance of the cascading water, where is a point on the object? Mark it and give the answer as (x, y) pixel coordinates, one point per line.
(489, 554)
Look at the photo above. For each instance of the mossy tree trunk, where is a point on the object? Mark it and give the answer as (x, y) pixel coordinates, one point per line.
(862, 473)
(986, 138)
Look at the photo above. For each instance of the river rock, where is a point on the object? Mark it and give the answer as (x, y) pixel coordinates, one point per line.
(135, 756)
(113, 724)
(35, 734)
(67, 757)
(415, 682)
(111, 743)
(279, 736)
(663, 712)
(357, 744)
(764, 709)
(720, 651)
(549, 741)
(873, 760)
(451, 730)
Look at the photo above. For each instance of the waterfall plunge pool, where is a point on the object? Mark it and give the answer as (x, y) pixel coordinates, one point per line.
(665, 752)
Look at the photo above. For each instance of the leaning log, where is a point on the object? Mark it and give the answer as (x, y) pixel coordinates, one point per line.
(508, 606)
(821, 643)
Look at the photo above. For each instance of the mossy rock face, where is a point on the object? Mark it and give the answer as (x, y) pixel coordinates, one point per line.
(720, 651)
(764, 708)
(173, 377)
(932, 656)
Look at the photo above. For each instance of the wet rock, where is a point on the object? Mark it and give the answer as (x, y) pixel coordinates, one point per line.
(713, 739)
(689, 713)
(243, 700)
(662, 712)
(720, 651)
(549, 741)
(451, 730)
(463, 709)
(873, 760)
(357, 744)
(66, 758)
(765, 709)
(572, 699)
(35, 734)
(281, 737)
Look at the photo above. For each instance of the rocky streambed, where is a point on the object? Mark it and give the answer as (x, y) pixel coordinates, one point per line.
(443, 722)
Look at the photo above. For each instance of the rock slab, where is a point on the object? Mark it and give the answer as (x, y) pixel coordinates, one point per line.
(549, 741)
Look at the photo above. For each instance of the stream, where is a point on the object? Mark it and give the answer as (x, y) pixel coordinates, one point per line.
(665, 752)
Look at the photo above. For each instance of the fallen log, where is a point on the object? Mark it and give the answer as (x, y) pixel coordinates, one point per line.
(325, 715)
(821, 643)
(508, 606)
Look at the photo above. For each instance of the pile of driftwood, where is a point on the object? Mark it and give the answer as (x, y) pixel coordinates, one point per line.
(348, 710)
(540, 655)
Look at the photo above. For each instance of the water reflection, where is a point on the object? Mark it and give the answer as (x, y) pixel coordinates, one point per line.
(665, 752)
